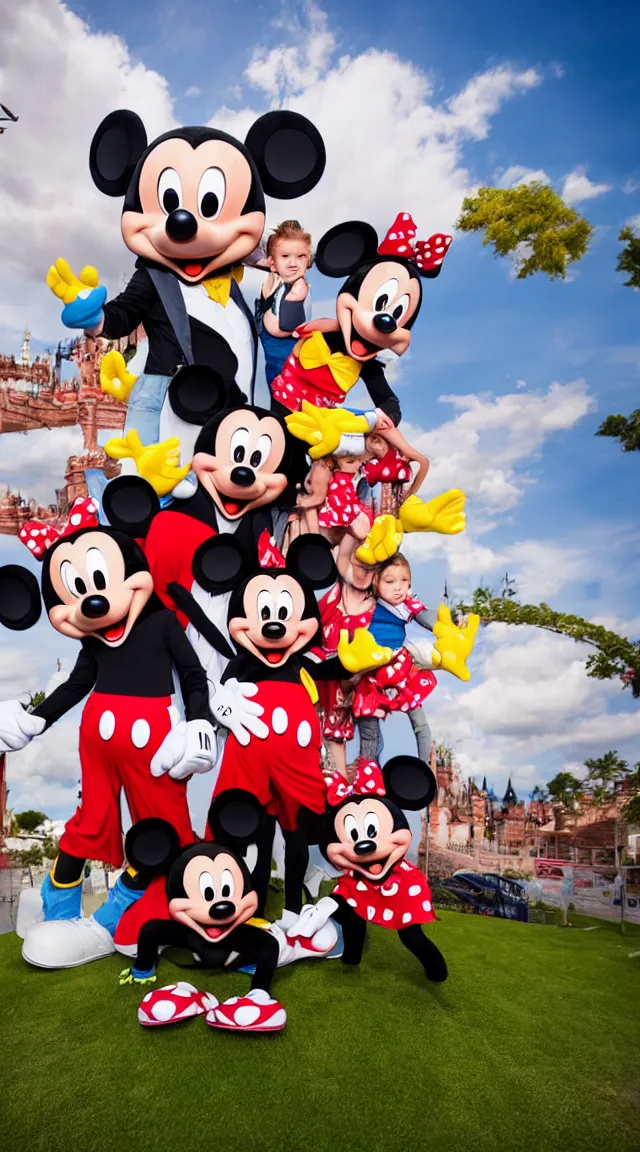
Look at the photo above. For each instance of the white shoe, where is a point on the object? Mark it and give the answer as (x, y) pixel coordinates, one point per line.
(313, 879)
(30, 911)
(66, 943)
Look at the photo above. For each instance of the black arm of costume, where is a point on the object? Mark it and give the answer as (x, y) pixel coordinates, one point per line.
(330, 669)
(156, 933)
(354, 931)
(125, 312)
(427, 618)
(191, 674)
(262, 946)
(291, 314)
(183, 600)
(79, 684)
(375, 381)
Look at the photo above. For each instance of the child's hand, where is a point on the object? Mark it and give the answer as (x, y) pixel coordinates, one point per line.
(298, 290)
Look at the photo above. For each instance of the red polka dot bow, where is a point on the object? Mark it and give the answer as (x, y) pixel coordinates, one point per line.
(367, 782)
(38, 536)
(401, 241)
(269, 555)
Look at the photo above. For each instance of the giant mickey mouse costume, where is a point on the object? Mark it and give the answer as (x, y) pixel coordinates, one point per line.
(193, 210)
(97, 588)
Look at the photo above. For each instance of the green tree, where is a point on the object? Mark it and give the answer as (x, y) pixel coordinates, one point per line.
(539, 793)
(50, 846)
(631, 810)
(564, 789)
(614, 655)
(629, 257)
(606, 771)
(626, 429)
(36, 698)
(30, 820)
(530, 222)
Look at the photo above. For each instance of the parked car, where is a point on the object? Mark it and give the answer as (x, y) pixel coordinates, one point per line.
(489, 894)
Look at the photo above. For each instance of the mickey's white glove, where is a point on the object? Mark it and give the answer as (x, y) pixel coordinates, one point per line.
(313, 917)
(189, 747)
(231, 706)
(17, 727)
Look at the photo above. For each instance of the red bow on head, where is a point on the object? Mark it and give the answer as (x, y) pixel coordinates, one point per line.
(368, 782)
(38, 536)
(390, 468)
(401, 241)
(269, 555)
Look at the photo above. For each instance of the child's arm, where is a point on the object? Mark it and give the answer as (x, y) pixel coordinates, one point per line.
(395, 438)
(426, 618)
(291, 312)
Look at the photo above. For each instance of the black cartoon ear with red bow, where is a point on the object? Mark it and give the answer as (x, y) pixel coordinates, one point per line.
(346, 247)
(222, 563)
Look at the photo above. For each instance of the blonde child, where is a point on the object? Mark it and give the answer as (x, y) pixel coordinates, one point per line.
(285, 299)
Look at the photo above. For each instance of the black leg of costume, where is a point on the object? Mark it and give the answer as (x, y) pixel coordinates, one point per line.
(265, 953)
(354, 931)
(431, 958)
(156, 933)
(296, 862)
(262, 870)
(67, 869)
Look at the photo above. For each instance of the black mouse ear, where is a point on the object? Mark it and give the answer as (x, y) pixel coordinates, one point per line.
(219, 564)
(129, 504)
(288, 152)
(409, 782)
(197, 393)
(235, 818)
(20, 603)
(151, 846)
(115, 150)
(345, 247)
(310, 561)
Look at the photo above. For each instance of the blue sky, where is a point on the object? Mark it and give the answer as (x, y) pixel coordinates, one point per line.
(568, 530)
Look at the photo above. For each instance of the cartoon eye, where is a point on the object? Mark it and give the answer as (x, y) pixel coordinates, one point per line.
(285, 606)
(385, 294)
(228, 885)
(211, 190)
(238, 446)
(261, 451)
(266, 606)
(400, 308)
(351, 827)
(371, 826)
(71, 579)
(169, 190)
(207, 889)
(97, 569)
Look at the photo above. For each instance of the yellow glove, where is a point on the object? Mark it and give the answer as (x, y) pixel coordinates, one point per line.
(157, 463)
(363, 652)
(444, 513)
(114, 378)
(454, 643)
(323, 428)
(67, 286)
(383, 540)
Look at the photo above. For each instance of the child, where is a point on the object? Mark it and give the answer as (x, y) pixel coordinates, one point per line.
(285, 300)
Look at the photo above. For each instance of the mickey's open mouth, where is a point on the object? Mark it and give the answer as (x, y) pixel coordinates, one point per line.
(114, 632)
(273, 655)
(360, 346)
(231, 506)
(192, 267)
(375, 870)
(215, 933)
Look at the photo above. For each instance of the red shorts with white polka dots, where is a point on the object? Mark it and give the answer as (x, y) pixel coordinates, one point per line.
(119, 735)
(283, 770)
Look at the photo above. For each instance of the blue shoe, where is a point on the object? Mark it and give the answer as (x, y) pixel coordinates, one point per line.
(116, 904)
(61, 903)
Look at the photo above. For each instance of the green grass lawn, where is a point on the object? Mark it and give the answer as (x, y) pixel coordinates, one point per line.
(533, 1044)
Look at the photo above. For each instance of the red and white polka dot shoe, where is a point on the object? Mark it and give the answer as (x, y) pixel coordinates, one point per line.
(173, 1003)
(255, 1012)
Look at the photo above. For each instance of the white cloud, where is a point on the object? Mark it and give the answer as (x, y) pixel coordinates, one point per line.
(630, 186)
(35, 462)
(634, 222)
(578, 187)
(193, 90)
(518, 174)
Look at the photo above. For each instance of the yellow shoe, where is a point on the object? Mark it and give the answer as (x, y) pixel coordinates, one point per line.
(454, 643)
(383, 541)
(444, 513)
(363, 653)
(114, 378)
(156, 463)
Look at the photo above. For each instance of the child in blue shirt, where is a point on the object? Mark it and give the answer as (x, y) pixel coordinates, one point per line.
(285, 299)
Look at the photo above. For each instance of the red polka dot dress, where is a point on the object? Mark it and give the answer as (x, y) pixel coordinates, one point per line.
(336, 705)
(341, 506)
(402, 899)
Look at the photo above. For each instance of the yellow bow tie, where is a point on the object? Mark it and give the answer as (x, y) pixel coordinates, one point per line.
(315, 352)
(219, 288)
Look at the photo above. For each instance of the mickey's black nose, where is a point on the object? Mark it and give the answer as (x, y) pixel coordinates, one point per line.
(222, 910)
(364, 847)
(273, 630)
(181, 225)
(384, 323)
(95, 606)
(243, 477)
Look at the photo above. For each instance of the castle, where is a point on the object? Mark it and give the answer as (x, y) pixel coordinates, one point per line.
(33, 395)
